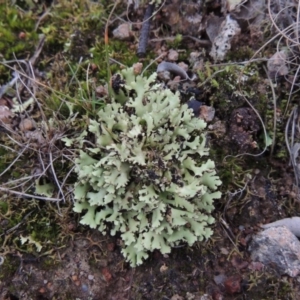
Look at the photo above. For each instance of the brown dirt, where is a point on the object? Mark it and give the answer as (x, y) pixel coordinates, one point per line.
(257, 190)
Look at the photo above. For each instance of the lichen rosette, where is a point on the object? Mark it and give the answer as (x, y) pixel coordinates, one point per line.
(146, 174)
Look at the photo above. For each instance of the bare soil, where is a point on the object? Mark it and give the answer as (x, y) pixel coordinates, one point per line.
(257, 189)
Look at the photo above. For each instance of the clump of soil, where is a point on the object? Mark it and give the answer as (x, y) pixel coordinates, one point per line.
(243, 129)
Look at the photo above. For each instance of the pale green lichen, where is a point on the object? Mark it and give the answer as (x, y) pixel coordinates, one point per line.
(146, 176)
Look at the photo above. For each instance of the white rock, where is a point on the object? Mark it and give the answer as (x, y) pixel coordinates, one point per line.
(91, 277)
(123, 32)
(222, 42)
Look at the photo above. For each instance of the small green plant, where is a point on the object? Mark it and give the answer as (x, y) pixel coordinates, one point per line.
(142, 170)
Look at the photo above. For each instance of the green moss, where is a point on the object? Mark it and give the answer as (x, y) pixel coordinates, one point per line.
(17, 34)
(3, 207)
(37, 220)
(67, 16)
(44, 230)
(268, 286)
(240, 54)
(49, 263)
(117, 50)
(9, 267)
(177, 43)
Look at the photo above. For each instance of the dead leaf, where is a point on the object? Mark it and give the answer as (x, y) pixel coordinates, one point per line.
(213, 26)
(35, 135)
(234, 4)
(5, 115)
(252, 10)
(277, 65)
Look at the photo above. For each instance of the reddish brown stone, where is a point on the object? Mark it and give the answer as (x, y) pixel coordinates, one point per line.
(232, 285)
(77, 282)
(49, 285)
(243, 241)
(111, 247)
(74, 277)
(107, 275)
(217, 296)
(71, 226)
(42, 290)
(94, 67)
(22, 35)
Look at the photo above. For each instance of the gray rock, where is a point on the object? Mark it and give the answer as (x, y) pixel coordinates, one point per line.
(278, 248)
(293, 224)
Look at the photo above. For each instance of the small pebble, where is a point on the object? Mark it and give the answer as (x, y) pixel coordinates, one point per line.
(77, 283)
(122, 32)
(91, 277)
(74, 277)
(101, 91)
(207, 113)
(22, 35)
(49, 285)
(84, 287)
(26, 125)
(173, 55)
(163, 268)
(111, 247)
(42, 290)
(94, 67)
(233, 285)
(219, 279)
(224, 251)
(194, 57)
(137, 68)
(106, 274)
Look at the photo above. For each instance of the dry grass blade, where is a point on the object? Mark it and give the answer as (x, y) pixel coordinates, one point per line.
(274, 111)
(286, 23)
(28, 195)
(292, 132)
(147, 19)
(13, 162)
(55, 177)
(35, 143)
